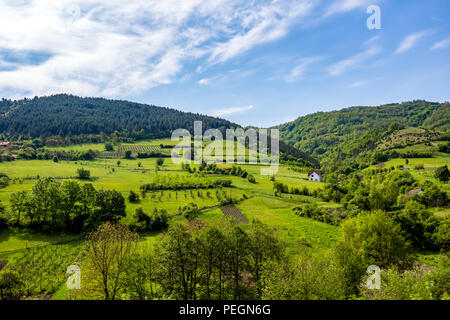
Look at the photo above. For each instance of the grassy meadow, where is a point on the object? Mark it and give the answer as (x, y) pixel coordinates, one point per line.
(257, 201)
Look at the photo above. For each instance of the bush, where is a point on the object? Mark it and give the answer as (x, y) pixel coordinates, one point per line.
(83, 173)
(377, 239)
(395, 285)
(251, 178)
(4, 180)
(109, 146)
(190, 211)
(133, 196)
(442, 174)
(160, 161)
(128, 154)
(418, 223)
(158, 220)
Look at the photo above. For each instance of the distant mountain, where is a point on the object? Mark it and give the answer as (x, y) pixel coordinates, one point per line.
(344, 134)
(67, 115)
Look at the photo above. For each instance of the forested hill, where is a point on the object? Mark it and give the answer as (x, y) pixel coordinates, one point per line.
(66, 115)
(343, 134)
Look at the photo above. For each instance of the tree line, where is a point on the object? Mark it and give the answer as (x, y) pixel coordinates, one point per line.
(69, 206)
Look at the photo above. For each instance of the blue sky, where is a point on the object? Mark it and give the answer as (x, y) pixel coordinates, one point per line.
(253, 62)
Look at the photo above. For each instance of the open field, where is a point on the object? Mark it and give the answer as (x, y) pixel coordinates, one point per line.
(254, 201)
(130, 174)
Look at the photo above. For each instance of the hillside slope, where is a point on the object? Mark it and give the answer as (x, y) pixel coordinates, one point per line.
(67, 115)
(344, 134)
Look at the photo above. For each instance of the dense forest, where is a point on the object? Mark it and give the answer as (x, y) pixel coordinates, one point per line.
(67, 116)
(344, 134)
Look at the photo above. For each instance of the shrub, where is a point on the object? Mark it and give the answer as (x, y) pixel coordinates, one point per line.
(109, 146)
(190, 211)
(133, 196)
(128, 154)
(442, 174)
(83, 173)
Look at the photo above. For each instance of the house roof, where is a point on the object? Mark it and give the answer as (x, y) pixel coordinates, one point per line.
(316, 171)
(7, 143)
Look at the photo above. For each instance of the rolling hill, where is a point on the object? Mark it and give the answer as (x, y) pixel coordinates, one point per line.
(67, 115)
(66, 119)
(345, 134)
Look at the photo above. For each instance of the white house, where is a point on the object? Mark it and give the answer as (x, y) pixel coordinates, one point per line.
(315, 175)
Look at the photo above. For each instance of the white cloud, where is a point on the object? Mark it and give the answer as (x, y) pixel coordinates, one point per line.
(341, 6)
(267, 24)
(352, 62)
(372, 39)
(357, 84)
(117, 48)
(410, 41)
(300, 68)
(230, 111)
(204, 81)
(441, 44)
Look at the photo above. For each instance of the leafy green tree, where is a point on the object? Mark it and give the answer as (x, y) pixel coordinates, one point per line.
(17, 203)
(133, 196)
(109, 146)
(212, 241)
(11, 285)
(441, 236)
(3, 218)
(179, 258)
(377, 238)
(237, 249)
(442, 173)
(140, 276)
(433, 196)
(83, 173)
(304, 277)
(107, 251)
(352, 268)
(397, 286)
(71, 196)
(109, 207)
(191, 211)
(127, 154)
(160, 161)
(418, 224)
(264, 245)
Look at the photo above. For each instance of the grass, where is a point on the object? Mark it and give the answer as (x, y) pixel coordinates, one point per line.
(43, 269)
(16, 239)
(261, 203)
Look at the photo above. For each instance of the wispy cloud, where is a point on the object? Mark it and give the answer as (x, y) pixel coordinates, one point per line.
(353, 62)
(357, 84)
(410, 41)
(441, 44)
(230, 111)
(300, 68)
(207, 81)
(341, 6)
(117, 48)
(268, 24)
